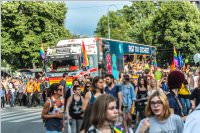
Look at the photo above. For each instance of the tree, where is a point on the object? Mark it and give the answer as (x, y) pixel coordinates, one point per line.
(175, 24)
(117, 24)
(161, 24)
(27, 25)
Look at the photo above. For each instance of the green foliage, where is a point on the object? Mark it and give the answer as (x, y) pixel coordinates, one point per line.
(176, 24)
(117, 24)
(27, 25)
(161, 24)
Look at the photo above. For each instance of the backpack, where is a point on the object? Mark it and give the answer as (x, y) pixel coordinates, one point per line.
(75, 108)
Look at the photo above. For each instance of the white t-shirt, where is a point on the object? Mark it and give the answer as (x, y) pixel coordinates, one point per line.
(173, 124)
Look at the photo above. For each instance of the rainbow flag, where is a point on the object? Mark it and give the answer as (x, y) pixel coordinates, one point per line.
(69, 82)
(175, 58)
(85, 61)
(173, 65)
(42, 52)
(54, 80)
(58, 79)
(118, 129)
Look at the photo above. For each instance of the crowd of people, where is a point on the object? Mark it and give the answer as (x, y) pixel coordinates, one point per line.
(23, 92)
(137, 102)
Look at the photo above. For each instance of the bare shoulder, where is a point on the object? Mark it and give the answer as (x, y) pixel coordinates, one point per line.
(47, 104)
(87, 95)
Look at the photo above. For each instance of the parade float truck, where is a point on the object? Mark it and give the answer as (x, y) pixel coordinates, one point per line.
(103, 56)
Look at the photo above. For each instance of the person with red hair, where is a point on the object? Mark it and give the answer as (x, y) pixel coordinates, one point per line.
(175, 80)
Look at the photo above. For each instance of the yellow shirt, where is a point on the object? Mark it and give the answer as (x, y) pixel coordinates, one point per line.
(30, 87)
(183, 90)
(37, 88)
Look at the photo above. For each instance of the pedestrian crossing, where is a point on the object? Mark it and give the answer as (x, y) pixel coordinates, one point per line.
(17, 115)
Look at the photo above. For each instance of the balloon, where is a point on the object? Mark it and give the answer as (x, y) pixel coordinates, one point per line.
(146, 66)
(158, 75)
(186, 60)
(196, 58)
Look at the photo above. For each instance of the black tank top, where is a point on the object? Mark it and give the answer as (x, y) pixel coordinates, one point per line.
(142, 94)
(75, 110)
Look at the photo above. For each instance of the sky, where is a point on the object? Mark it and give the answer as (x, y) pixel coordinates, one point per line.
(82, 16)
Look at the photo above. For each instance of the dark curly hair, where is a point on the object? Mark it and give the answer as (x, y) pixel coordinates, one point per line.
(52, 88)
(175, 79)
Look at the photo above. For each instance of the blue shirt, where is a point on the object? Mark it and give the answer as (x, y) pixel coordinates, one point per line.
(2, 92)
(165, 87)
(173, 103)
(114, 92)
(93, 98)
(128, 95)
(63, 83)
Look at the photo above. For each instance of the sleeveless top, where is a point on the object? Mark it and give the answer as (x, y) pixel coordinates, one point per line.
(92, 98)
(140, 95)
(55, 124)
(75, 109)
(54, 108)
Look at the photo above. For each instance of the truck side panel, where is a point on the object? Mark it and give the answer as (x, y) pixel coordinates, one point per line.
(114, 51)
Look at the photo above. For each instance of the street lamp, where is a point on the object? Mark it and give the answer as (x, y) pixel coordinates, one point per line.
(109, 19)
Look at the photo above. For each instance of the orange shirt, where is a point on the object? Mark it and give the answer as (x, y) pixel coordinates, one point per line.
(37, 88)
(30, 87)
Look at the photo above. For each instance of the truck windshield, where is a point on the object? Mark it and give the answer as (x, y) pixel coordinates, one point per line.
(62, 65)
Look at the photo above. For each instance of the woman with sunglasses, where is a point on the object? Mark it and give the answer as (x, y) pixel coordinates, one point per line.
(159, 117)
(104, 114)
(87, 88)
(52, 112)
